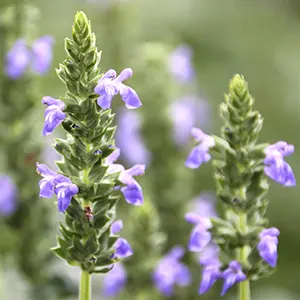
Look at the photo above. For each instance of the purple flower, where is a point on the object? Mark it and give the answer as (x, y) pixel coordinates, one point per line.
(187, 113)
(116, 227)
(56, 183)
(110, 85)
(200, 153)
(276, 167)
(200, 236)
(8, 195)
(181, 65)
(129, 138)
(54, 115)
(114, 281)
(17, 59)
(232, 275)
(204, 205)
(267, 247)
(42, 54)
(131, 190)
(170, 271)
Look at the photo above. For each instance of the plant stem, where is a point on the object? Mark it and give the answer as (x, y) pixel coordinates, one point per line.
(244, 286)
(85, 286)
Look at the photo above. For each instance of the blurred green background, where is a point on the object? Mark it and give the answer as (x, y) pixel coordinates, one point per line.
(259, 39)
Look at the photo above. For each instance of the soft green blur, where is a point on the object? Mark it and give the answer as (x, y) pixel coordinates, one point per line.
(259, 39)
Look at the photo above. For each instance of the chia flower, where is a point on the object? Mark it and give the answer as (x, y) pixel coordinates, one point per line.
(17, 59)
(54, 115)
(200, 153)
(275, 165)
(187, 113)
(267, 246)
(42, 54)
(131, 190)
(129, 138)
(181, 65)
(204, 205)
(114, 281)
(170, 271)
(58, 184)
(110, 85)
(200, 236)
(8, 198)
(232, 275)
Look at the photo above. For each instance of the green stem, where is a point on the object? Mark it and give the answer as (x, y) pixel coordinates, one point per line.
(85, 286)
(244, 286)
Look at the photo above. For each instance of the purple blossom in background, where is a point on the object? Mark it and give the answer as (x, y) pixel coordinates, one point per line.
(232, 275)
(276, 167)
(20, 57)
(54, 115)
(129, 138)
(110, 85)
(200, 153)
(42, 54)
(114, 281)
(8, 195)
(209, 260)
(17, 59)
(56, 183)
(204, 205)
(170, 271)
(132, 191)
(267, 246)
(200, 236)
(187, 113)
(180, 63)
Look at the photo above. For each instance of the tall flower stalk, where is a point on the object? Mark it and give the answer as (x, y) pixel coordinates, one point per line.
(247, 249)
(89, 183)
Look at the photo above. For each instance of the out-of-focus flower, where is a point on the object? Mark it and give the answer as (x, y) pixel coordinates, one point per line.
(170, 271)
(8, 195)
(114, 281)
(56, 183)
(204, 205)
(186, 113)
(110, 85)
(21, 56)
(129, 138)
(276, 167)
(200, 153)
(180, 63)
(267, 247)
(54, 115)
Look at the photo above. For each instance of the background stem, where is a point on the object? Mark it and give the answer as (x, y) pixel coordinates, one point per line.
(85, 286)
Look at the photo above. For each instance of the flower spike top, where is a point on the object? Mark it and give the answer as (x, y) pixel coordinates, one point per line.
(88, 184)
(110, 85)
(241, 171)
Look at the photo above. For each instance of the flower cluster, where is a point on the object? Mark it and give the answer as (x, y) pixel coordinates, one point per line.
(170, 272)
(38, 58)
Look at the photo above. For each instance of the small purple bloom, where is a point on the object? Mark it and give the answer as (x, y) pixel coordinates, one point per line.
(8, 196)
(232, 275)
(181, 63)
(17, 59)
(200, 236)
(123, 248)
(186, 113)
(54, 115)
(110, 85)
(132, 191)
(200, 153)
(275, 165)
(129, 138)
(56, 183)
(204, 205)
(267, 247)
(114, 281)
(116, 227)
(42, 54)
(170, 271)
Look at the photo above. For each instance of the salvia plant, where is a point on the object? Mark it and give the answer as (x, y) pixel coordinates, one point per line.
(238, 247)
(89, 183)
(24, 220)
